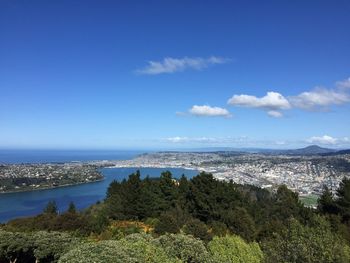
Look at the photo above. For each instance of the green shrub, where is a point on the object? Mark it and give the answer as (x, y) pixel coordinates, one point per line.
(198, 229)
(38, 246)
(234, 249)
(135, 248)
(300, 243)
(186, 248)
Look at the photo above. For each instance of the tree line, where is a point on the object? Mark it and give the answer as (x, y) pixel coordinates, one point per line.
(223, 216)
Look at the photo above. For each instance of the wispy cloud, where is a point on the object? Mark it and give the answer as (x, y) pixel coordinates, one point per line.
(171, 65)
(343, 84)
(272, 102)
(275, 114)
(214, 141)
(208, 111)
(329, 140)
(319, 99)
(179, 139)
(325, 139)
(244, 141)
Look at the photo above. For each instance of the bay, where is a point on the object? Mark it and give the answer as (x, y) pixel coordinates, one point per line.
(14, 205)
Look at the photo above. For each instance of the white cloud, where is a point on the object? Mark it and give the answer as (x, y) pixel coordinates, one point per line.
(179, 139)
(214, 141)
(171, 65)
(244, 141)
(343, 84)
(319, 98)
(275, 114)
(314, 100)
(325, 139)
(280, 142)
(329, 140)
(208, 111)
(272, 102)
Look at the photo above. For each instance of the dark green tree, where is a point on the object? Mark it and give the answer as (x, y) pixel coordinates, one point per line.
(151, 203)
(343, 201)
(51, 208)
(198, 229)
(171, 221)
(71, 208)
(131, 196)
(114, 201)
(201, 197)
(241, 223)
(183, 189)
(168, 191)
(326, 203)
(219, 228)
(286, 204)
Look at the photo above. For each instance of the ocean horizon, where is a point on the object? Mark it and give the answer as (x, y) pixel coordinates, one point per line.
(18, 156)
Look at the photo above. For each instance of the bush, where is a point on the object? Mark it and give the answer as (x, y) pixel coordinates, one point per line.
(234, 249)
(50, 246)
(186, 248)
(218, 228)
(134, 248)
(103, 251)
(171, 221)
(38, 246)
(198, 229)
(300, 243)
(15, 247)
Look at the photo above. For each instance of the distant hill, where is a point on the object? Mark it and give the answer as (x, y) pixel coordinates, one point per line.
(310, 150)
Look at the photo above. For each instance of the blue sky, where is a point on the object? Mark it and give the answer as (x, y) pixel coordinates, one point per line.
(174, 74)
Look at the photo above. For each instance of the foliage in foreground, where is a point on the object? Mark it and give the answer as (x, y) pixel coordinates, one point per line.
(122, 251)
(197, 220)
(234, 249)
(39, 246)
(166, 248)
(307, 244)
(169, 248)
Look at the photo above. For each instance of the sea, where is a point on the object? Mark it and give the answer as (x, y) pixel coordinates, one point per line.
(30, 203)
(59, 156)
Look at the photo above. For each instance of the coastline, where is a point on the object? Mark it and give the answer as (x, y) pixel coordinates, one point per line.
(156, 166)
(50, 188)
(102, 179)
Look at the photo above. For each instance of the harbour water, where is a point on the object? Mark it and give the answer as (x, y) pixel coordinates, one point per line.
(13, 205)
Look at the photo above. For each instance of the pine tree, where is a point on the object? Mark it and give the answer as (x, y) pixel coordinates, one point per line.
(51, 208)
(326, 203)
(343, 201)
(71, 208)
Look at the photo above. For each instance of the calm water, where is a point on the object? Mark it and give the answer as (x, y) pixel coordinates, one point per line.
(14, 205)
(47, 156)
